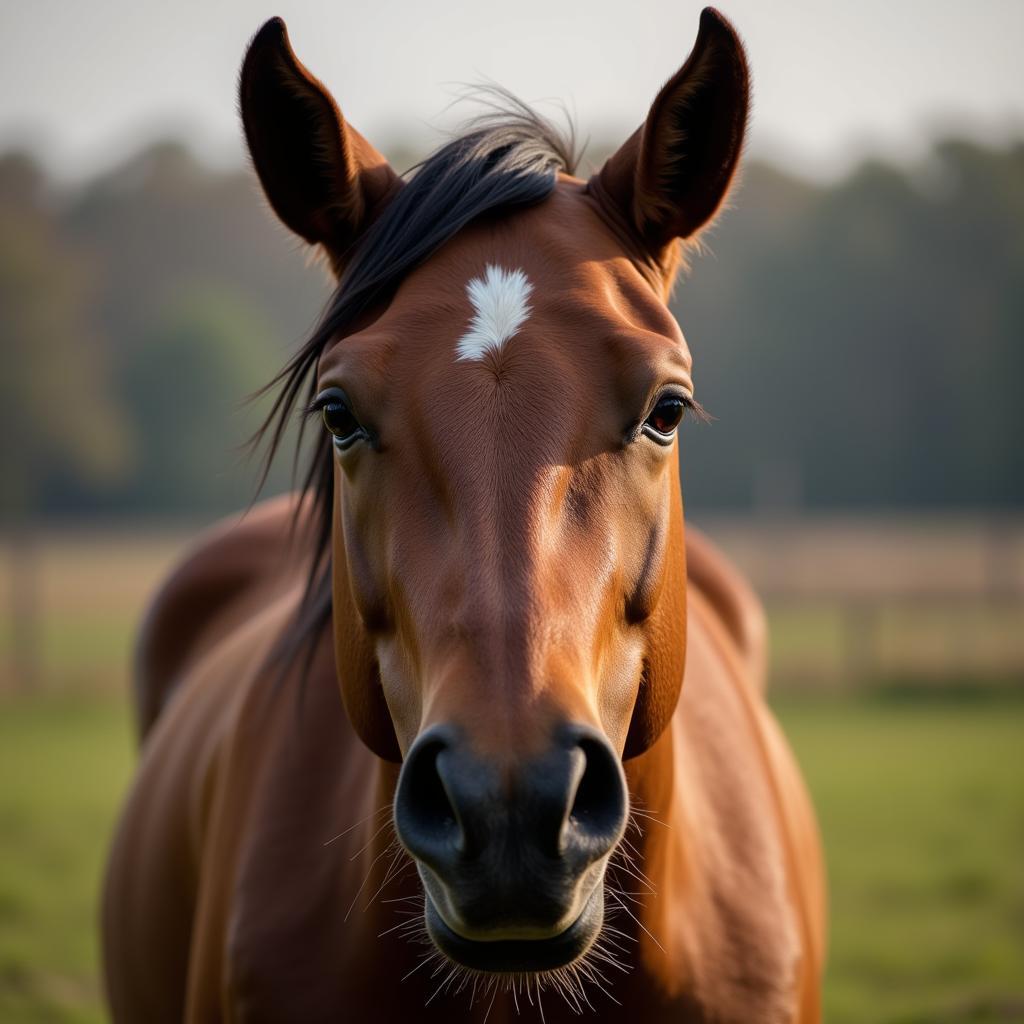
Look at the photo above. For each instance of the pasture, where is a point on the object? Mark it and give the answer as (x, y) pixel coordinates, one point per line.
(920, 794)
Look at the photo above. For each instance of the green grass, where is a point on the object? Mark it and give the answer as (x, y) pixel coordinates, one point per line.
(921, 804)
(88, 647)
(64, 764)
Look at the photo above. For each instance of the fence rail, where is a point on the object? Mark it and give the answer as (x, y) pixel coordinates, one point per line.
(860, 601)
(850, 601)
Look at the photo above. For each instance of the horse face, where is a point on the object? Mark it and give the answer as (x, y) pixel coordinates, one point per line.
(509, 532)
(508, 572)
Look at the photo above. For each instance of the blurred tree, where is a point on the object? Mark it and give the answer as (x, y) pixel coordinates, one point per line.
(184, 385)
(868, 337)
(859, 344)
(56, 414)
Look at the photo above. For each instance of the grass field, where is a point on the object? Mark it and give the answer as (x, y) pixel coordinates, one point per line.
(921, 803)
(921, 796)
(64, 763)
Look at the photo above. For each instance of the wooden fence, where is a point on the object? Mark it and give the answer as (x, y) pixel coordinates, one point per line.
(893, 600)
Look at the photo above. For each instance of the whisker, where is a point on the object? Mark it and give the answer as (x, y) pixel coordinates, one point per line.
(440, 988)
(599, 980)
(386, 825)
(564, 987)
(388, 876)
(634, 874)
(398, 927)
(624, 860)
(490, 1005)
(639, 922)
(425, 959)
(647, 816)
(366, 878)
(581, 988)
(372, 814)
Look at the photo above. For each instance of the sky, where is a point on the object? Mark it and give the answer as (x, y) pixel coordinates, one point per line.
(85, 84)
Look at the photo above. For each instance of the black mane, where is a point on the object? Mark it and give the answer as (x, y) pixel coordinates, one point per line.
(508, 158)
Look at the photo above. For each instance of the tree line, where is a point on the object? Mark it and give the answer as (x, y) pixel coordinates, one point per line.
(859, 345)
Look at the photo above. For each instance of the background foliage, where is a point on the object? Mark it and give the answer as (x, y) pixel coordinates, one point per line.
(859, 344)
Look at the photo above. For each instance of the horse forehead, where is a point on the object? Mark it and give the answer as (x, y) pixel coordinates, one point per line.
(483, 261)
(545, 282)
(528, 279)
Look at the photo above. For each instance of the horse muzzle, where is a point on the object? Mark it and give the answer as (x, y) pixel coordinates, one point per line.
(512, 857)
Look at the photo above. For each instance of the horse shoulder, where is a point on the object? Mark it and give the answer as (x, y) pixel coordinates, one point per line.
(233, 570)
(806, 863)
(747, 768)
(160, 861)
(736, 607)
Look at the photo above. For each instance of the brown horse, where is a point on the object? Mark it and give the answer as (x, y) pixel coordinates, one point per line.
(510, 809)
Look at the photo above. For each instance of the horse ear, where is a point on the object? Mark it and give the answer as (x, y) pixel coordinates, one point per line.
(673, 174)
(323, 179)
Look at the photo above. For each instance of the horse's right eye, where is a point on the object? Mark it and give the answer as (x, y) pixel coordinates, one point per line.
(340, 420)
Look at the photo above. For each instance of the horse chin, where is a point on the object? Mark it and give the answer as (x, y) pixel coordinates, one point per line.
(520, 956)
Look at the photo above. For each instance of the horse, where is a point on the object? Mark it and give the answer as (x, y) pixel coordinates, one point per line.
(415, 739)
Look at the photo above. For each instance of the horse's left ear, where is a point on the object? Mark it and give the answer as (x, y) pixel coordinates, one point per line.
(673, 174)
(323, 179)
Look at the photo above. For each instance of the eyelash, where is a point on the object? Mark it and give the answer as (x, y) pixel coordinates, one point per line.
(695, 410)
(315, 408)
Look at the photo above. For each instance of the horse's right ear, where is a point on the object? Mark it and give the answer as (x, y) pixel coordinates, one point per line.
(323, 179)
(671, 177)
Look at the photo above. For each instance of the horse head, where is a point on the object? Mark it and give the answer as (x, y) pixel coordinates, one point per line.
(501, 384)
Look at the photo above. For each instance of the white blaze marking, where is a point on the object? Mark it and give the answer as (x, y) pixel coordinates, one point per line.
(499, 310)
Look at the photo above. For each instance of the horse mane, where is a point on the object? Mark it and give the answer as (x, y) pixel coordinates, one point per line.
(508, 157)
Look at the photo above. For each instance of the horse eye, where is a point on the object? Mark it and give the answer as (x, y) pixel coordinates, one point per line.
(340, 421)
(664, 418)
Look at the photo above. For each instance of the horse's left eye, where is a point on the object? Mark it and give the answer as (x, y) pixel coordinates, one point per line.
(341, 421)
(664, 418)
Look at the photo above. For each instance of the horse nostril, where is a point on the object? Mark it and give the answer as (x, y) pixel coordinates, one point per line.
(425, 820)
(597, 817)
(453, 812)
